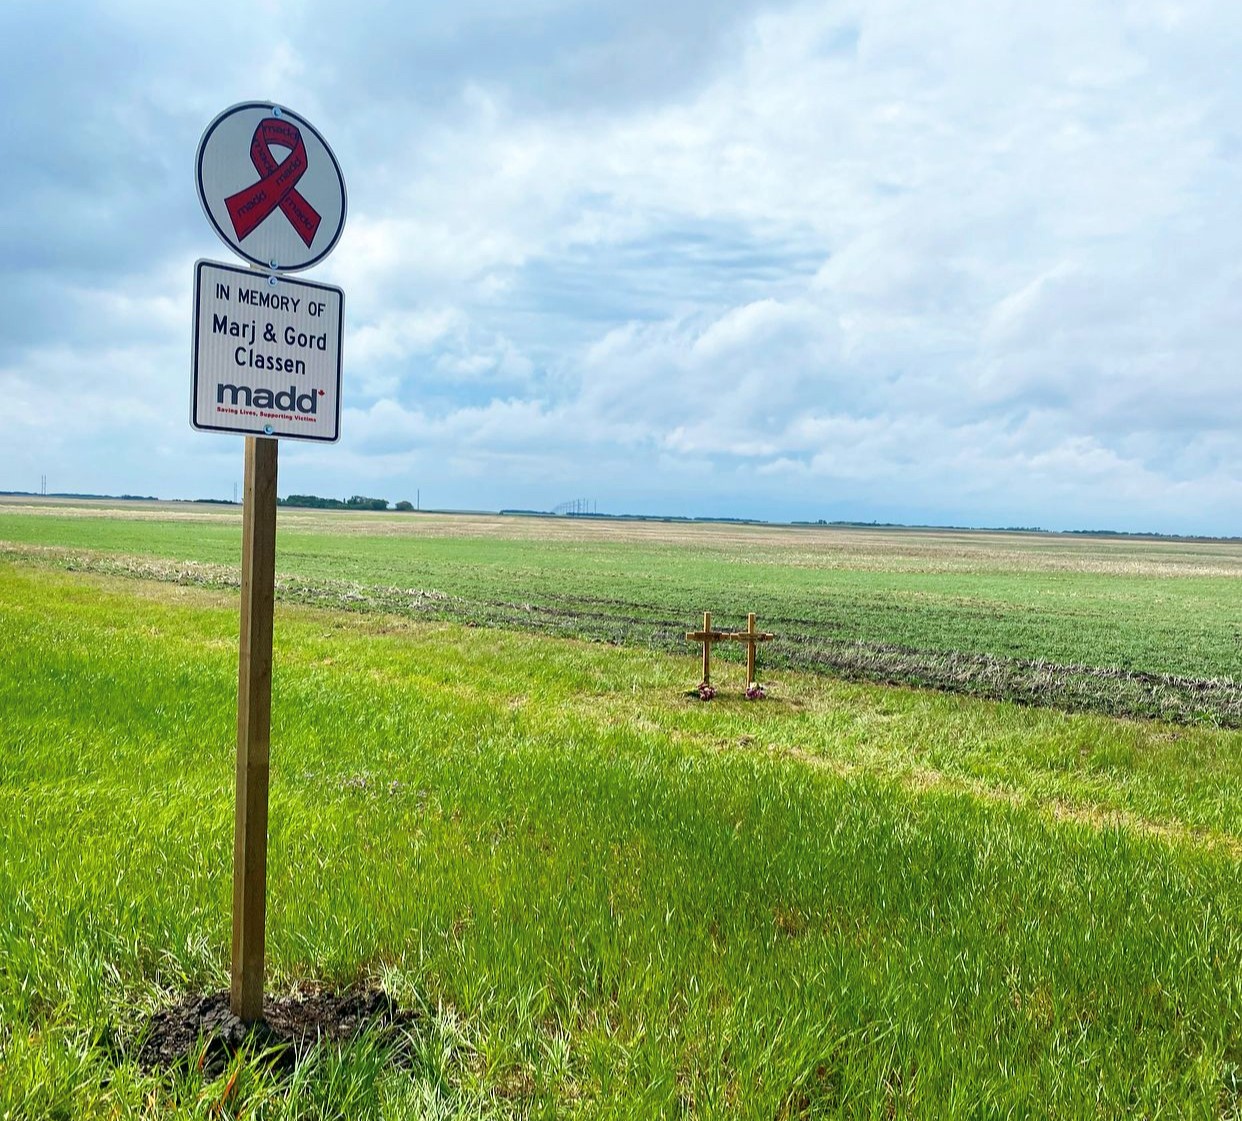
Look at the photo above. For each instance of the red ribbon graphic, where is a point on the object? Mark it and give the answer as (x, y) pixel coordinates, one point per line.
(276, 188)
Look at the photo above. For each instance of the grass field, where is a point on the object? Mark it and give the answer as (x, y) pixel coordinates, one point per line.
(1111, 625)
(602, 898)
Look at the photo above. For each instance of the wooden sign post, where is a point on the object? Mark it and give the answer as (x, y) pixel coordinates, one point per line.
(706, 636)
(287, 219)
(254, 721)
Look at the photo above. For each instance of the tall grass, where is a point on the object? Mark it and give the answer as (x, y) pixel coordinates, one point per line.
(605, 899)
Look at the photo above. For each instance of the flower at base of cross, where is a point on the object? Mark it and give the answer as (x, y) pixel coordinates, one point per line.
(755, 692)
(706, 691)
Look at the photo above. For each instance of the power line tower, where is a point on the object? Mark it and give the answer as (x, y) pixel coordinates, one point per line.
(576, 507)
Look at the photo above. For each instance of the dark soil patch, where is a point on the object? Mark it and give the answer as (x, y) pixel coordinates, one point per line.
(290, 1028)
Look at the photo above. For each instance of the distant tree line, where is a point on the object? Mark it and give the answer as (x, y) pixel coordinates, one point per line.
(356, 502)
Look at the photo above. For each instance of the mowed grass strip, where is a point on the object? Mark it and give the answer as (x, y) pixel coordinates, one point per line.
(607, 899)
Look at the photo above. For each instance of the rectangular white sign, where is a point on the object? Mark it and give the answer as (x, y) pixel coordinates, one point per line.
(267, 354)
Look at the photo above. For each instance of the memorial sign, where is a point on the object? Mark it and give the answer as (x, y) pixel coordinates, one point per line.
(270, 186)
(267, 365)
(267, 354)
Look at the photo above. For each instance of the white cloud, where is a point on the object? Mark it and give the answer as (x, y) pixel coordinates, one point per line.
(966, 260)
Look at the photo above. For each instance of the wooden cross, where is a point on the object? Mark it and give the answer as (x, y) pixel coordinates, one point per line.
(707, 636)
(751, 637)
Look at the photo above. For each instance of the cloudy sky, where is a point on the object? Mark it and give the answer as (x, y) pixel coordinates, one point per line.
(950, 261)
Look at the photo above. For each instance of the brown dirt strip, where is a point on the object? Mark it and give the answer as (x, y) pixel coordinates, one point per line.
(803, 546)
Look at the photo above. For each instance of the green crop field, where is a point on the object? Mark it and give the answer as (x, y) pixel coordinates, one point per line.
(1130, 627)
(598, 896)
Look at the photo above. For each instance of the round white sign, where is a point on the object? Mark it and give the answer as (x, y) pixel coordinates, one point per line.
(271, 186)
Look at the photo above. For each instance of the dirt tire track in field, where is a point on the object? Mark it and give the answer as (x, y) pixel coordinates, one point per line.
(1076, 688)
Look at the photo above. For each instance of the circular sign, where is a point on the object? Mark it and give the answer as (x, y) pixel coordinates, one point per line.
(271, 186)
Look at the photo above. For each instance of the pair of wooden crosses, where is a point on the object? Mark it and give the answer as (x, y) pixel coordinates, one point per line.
(750, 636)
